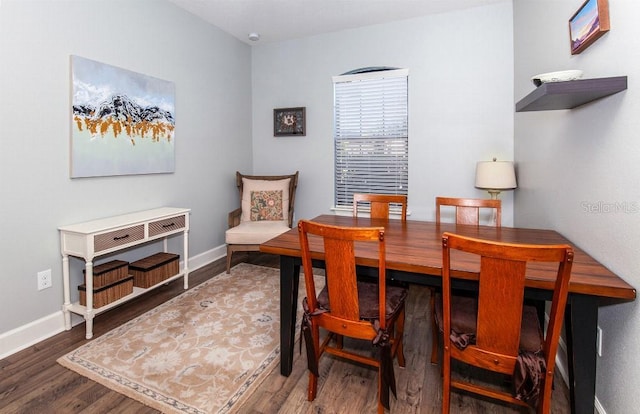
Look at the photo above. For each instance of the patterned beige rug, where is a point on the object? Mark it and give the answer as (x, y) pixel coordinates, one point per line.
(204, 351)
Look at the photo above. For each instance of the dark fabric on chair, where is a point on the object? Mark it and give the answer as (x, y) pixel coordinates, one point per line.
(463, 321)
(528, 376)
(383, 341)
(368, 300)
(531, 337)
(305, 332)
(463, 313)
(530, 365)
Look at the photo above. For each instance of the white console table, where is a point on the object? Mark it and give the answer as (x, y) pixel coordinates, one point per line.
(94, 238)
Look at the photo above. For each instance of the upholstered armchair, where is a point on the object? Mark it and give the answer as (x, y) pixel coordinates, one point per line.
(266, 211)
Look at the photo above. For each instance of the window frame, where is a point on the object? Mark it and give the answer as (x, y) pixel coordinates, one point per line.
(391, 148)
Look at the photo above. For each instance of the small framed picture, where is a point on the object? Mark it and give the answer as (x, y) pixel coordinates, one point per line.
(289, 122)
(587, 24)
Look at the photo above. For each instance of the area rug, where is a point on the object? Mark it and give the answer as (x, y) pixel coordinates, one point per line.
(204, 351)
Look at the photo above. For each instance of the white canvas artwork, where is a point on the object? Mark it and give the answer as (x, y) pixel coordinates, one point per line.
(122, 121)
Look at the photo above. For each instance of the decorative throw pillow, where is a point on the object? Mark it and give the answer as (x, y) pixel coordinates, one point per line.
(266, 205)
(250, 186)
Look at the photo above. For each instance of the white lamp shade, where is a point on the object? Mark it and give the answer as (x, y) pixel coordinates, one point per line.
(495, 175)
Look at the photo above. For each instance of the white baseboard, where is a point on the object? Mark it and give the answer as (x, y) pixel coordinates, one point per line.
(210, 256)
(24, 336)
(30, 334)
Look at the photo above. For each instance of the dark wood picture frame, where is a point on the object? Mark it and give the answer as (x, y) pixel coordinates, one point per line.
(289, 122)
(588, 24)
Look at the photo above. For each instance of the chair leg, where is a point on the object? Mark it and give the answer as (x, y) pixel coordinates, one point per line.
(313, 387)
(380, 391)
(435, 332)
(313, 379)
(399, 334)
(544, 399)
(229, 254)
(446, 384)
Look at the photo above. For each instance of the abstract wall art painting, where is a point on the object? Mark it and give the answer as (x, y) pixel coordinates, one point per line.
(122, 122)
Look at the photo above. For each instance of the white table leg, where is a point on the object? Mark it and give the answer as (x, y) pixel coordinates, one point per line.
(89, 314)
(186, 258)
(67, 293)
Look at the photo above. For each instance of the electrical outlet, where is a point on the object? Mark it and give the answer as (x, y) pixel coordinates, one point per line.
(599, 341)
(44, 279)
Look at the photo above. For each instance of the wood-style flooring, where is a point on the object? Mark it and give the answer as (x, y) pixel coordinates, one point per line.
(31, 381)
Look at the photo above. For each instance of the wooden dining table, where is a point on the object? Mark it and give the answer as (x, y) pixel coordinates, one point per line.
(414, 255)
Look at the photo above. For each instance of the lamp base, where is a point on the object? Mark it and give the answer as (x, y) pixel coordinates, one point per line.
(494, 194)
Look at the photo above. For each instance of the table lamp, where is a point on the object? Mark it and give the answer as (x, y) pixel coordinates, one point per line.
(495, 176)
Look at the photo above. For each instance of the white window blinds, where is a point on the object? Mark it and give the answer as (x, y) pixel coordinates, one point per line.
(370, 134)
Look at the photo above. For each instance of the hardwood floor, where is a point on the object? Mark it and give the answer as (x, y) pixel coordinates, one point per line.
(31, 381)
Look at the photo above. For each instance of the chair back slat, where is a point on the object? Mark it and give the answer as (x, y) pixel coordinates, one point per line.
(500, 298)
(342, 283)
(467, 215)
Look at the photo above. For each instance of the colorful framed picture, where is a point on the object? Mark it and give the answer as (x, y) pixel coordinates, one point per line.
(289, 122)
(587, 24)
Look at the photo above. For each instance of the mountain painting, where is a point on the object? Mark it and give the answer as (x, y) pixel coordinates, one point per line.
(589, 23)
(122, 122)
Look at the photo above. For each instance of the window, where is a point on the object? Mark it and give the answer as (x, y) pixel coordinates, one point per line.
(370, 133)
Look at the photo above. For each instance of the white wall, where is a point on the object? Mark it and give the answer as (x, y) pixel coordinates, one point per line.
(569, 160)
(211, 72)
(460, 102)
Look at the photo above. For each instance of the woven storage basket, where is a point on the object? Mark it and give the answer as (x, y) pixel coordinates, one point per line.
(110, 272)
(107, 294)
(154, 269)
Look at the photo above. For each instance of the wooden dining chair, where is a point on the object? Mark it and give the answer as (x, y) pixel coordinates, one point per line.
(380, 204)
(346, 307)
(496, 331)
(467, 211)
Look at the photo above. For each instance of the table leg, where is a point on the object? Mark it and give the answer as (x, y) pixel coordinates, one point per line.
(581, 321)
(289, 282)
(89, 313)
(66, 292)
(185, 252)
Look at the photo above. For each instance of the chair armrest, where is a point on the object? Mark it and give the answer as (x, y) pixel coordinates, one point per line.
(234, 217)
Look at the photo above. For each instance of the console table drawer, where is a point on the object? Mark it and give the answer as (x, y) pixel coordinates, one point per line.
(166, 226)
(117, 238)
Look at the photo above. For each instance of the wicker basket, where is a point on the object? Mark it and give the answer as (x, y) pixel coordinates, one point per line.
(109, 273)
(154, 269)
(107, 294)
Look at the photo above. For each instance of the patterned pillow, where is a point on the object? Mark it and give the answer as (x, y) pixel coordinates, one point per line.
(266, 205)
(249, 186)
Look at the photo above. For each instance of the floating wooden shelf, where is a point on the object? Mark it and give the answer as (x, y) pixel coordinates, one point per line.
(570, 94)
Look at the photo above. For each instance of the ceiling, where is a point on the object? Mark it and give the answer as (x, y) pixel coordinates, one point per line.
(277, 20)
